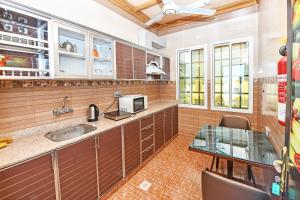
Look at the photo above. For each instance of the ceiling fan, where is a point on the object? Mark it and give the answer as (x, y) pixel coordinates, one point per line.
(170, 8)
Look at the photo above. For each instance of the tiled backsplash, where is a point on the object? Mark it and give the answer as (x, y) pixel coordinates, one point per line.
(25, 104)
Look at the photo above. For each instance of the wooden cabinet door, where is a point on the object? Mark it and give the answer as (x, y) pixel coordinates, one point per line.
(132, 146)
(159, 130)
(153, 57)
(124, 61)
(166, 68)
(31, 180)
(168, 124)
(139, 63)
(74, 63)
(175, 120)
(109, 159)
(78, 171)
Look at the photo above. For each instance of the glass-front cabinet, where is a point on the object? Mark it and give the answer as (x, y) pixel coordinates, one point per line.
(71, 52)
(24, 45)
(101, 57)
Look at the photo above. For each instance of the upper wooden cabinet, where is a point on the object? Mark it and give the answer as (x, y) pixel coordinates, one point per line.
(139, 63)
(80, 54)
(71, 52)
(78, 171)
(101, 57)
(33, 179)
(26, 45)
(124, 61)
(166, 68)
(153, 57)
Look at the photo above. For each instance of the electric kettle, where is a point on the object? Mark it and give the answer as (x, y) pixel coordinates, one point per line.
(93, 113)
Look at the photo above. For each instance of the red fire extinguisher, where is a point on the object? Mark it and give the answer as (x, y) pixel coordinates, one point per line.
(282, 82)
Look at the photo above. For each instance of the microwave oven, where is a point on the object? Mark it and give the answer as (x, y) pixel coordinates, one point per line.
(133, 103)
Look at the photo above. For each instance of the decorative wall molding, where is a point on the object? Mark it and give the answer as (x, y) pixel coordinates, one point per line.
(76, 83)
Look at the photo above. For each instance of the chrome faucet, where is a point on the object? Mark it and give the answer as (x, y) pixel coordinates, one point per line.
(64, 109)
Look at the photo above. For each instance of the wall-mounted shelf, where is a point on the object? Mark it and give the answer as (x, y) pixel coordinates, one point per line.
(24, 49)
(102, 60)
(71, 54)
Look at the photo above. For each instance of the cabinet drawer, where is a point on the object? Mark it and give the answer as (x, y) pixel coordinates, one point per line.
(147, 142)
(146, 132)
(147, 153)
(146, 121)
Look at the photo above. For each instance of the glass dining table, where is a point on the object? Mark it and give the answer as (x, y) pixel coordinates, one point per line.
(246, 146)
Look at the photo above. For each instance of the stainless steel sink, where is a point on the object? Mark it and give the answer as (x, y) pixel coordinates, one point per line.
(70, 132)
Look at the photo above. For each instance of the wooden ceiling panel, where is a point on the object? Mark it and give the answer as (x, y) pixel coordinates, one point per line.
(152, 11)
(146, 5)
(143, 10)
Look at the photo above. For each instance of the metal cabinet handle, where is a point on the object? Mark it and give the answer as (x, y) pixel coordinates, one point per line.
(53, 160)
(147, 128)
(148, 138)
(150, 148)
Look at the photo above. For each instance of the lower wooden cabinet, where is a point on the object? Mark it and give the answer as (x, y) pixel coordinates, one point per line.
(159, 131)
(91, 165)
(147, 153)
(175, 120)
(147, 137)
(33, 179)
(78, 171)
(132, 146)
(168, 124)
(109, 159)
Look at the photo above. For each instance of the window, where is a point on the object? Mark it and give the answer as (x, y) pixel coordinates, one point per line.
(192, 76)
(232, 77)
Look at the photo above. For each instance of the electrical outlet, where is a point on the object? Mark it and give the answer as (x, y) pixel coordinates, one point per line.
(267, 131)
(117, 94)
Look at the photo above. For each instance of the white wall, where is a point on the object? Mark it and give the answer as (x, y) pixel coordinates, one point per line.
(238, 27)
(272, 28)
(91, 14)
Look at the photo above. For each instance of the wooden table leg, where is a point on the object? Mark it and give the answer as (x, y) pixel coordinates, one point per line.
(229, 169)
(212, 164)
(250, 175)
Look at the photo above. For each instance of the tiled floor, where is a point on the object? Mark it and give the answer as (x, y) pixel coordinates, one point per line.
(174, 174)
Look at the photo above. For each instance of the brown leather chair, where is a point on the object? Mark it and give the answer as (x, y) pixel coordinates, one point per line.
(215, 187)
(233, 121)
(240, 122)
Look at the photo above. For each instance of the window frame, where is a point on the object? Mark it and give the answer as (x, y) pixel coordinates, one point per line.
(205, 71)
(251, 70)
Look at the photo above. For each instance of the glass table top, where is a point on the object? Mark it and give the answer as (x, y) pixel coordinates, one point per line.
(246, 145)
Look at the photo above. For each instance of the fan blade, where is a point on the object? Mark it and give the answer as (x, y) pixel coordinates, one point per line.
(196, 11)
(156, 18)
(199, 4)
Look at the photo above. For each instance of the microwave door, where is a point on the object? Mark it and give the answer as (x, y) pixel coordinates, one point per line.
(138, 104)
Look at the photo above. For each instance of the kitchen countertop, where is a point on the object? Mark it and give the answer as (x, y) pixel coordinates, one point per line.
(31, 142)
